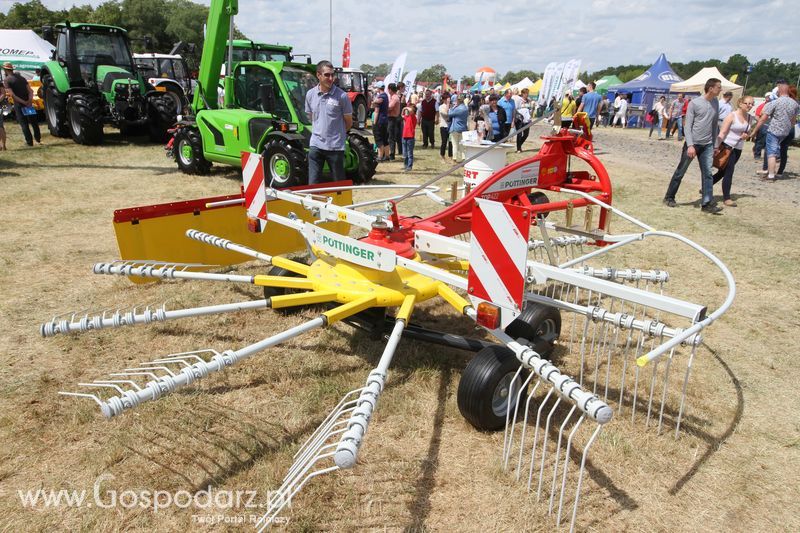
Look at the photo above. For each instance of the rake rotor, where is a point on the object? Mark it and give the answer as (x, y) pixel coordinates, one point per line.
(581, 342)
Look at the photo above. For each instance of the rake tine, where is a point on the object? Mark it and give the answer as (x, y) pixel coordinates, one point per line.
(508, 436)
(664, 391)
(652, 390)
(103, 385)
(558, 456)
(536, 436)
(83, 395)
(328, 419)
(525, 427)
(683, 392)
(566, 464)
(580, 476)
(544, 446)
(120, 381)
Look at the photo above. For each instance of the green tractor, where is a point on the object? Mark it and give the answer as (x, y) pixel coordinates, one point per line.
(93, 80)
(263, 111)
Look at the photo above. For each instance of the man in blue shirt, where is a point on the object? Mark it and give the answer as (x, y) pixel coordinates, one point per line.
(507, 103)
(590, 103)
(331, 115)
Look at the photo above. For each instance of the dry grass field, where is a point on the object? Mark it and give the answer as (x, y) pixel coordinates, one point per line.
(422, 467)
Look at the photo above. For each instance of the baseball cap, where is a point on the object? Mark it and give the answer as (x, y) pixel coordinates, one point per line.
(8, 65)
(767, 94)
(781, 81)
(379, 85)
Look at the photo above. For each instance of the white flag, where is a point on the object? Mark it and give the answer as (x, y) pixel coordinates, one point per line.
(547, 81)
(409, 80)
(397, 70)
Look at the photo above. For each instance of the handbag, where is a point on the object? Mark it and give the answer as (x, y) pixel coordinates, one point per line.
(721, 158)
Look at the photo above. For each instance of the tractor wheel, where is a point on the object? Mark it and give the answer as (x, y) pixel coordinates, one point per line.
(539, 325)
(486, 388)
(360, 111)
(188, 149)
(161, 115)
(364, 158)
(286, 166)
(55, 108)
(85, 118)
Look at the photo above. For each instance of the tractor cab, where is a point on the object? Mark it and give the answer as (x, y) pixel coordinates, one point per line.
(169, 71)
(97, 56)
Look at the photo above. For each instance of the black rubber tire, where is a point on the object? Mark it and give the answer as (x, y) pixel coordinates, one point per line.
(539, 325)
(360, 111)
(85, 113)
(188, 150)
(483, 382)
(366, 162)
(538, 198)
(55, 108)
(269, 292)
(162, 112)
(284, 165)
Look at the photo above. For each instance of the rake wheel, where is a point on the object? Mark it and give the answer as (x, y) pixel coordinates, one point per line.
(486, 386)
(539, 325)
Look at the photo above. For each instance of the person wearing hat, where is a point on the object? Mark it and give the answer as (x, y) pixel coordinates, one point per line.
(725, 107)
(782, 113)
(23, 97)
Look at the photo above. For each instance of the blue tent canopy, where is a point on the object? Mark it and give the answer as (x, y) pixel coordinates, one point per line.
(654, 81)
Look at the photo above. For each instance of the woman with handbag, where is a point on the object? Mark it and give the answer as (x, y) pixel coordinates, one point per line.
(734, 132)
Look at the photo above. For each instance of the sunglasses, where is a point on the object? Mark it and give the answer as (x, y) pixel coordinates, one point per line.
(327, 74)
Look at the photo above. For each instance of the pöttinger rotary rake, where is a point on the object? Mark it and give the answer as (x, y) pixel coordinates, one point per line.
(578, 342)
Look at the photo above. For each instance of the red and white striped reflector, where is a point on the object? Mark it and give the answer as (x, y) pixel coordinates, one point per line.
(255, 195)
(498, 255)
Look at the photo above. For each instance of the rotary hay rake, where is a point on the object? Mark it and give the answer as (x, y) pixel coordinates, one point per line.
(578, 342)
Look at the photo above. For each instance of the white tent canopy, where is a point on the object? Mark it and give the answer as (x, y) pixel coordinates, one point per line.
(696, 83)
(522, 84)
(24, 49)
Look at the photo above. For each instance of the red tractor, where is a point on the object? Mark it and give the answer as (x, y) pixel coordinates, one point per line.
(354, 83)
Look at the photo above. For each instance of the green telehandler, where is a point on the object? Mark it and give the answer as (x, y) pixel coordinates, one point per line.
(262, 111)
(93, 80)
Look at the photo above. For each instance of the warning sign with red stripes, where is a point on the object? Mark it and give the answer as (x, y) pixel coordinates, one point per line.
(498, 254)
(255, 195)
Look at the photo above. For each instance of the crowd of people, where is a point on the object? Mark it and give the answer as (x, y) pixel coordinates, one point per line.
(714, 128)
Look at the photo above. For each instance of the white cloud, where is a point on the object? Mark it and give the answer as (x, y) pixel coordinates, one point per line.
(520, 34)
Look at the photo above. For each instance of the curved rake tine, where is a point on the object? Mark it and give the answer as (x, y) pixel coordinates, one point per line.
(683, 391)
(508, 436)
(536, 436)
(580, 476)
(544, 445)
(525, 427)
(558, 456)
(566, 463)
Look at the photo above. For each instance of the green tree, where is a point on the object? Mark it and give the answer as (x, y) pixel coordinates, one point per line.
(513, 77)
(376, 71)
(433, 73)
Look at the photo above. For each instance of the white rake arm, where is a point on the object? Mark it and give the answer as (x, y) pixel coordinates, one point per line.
(164, 272)
(347, 451)
(225, 244)
(164, 384)
(589, 403)
(143, 316)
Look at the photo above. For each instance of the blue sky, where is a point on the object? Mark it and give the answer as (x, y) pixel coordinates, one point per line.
(518, 34)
